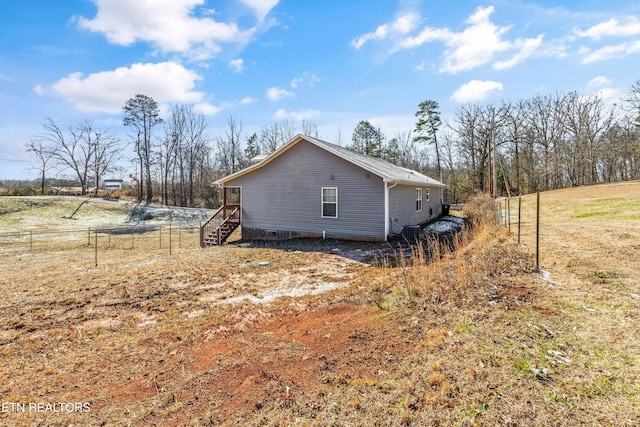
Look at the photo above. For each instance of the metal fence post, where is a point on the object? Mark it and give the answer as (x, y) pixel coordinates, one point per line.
(538, 231)
(519, 216)
(509, 214)
(96, 242)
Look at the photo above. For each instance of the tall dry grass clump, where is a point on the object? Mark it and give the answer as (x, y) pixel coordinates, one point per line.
(481, 210)
(465, 268)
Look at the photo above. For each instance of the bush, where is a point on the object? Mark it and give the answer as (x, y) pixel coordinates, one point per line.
(23, 190)
(481, 210)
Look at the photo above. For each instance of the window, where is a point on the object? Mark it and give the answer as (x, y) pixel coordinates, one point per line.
(426, 195)
(329, 202)
(418, 199)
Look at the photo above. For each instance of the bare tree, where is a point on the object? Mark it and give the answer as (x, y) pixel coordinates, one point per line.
(44, 154)
(107, 154)
(515, 124)
(629, 142)
(338, 139)
(586, 120)
(185, 149)
(275, 136)
(470, 146)
(632, 99)
(168, 151)
(545, 142)
(402, 151)
(73, 149)
(229, 154)
(452, 169)
(82, 149)
(310, 129)
(491, 131)
(547, 126)
(287, 131)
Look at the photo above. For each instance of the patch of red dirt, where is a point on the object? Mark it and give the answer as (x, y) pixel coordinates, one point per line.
(279, 361)
(134, 391)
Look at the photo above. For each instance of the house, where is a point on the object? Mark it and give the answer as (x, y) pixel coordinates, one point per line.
(312, 188)
(112, 184)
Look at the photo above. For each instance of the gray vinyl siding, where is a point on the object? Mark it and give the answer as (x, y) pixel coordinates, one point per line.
(286, 194)
(434, 202)
(402, 207)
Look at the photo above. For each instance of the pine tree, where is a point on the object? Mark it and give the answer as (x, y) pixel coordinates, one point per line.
(427, 126)
(367, 139)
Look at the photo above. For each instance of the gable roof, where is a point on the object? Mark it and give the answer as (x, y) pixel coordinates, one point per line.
(385, 170)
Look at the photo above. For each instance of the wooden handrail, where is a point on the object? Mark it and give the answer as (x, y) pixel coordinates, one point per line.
(225, 218)
(215, 214)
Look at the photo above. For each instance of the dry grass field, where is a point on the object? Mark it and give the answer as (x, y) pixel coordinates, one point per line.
(236, 335)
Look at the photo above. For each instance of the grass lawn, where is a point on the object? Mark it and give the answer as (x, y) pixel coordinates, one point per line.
(216, 337)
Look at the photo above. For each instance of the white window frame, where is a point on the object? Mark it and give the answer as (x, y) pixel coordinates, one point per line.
(426, 195)
(322, 202)
(418, 199)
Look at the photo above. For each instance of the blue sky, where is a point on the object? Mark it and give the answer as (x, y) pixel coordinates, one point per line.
(332, 62)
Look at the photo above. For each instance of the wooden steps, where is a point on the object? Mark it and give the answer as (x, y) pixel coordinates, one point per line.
(220, 226)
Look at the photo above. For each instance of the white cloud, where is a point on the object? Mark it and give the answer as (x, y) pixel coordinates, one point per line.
(479, 43)
(598, 81)
(609, 94)
(276, 93)
(107, 91)
(476, 45)
(299, 116)
(206, 109)
(475, 90)
(309, 79)
(247, 100)
(392, 125)
(168, 25)
(237, 64)
(380, 33)
(260, 7)
(601, 86)
(609, 52)
(612, 27)
(40, 90)
(420, 66)
(526, 48)
(403, 24)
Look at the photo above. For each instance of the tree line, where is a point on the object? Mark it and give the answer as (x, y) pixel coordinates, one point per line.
(540, 143)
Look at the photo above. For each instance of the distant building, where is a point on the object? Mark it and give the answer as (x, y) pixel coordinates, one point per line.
(258, 158)
(112, 184)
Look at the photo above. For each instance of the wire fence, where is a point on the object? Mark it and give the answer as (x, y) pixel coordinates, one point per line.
(166, 237)
(180, 235)
(510, 216)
